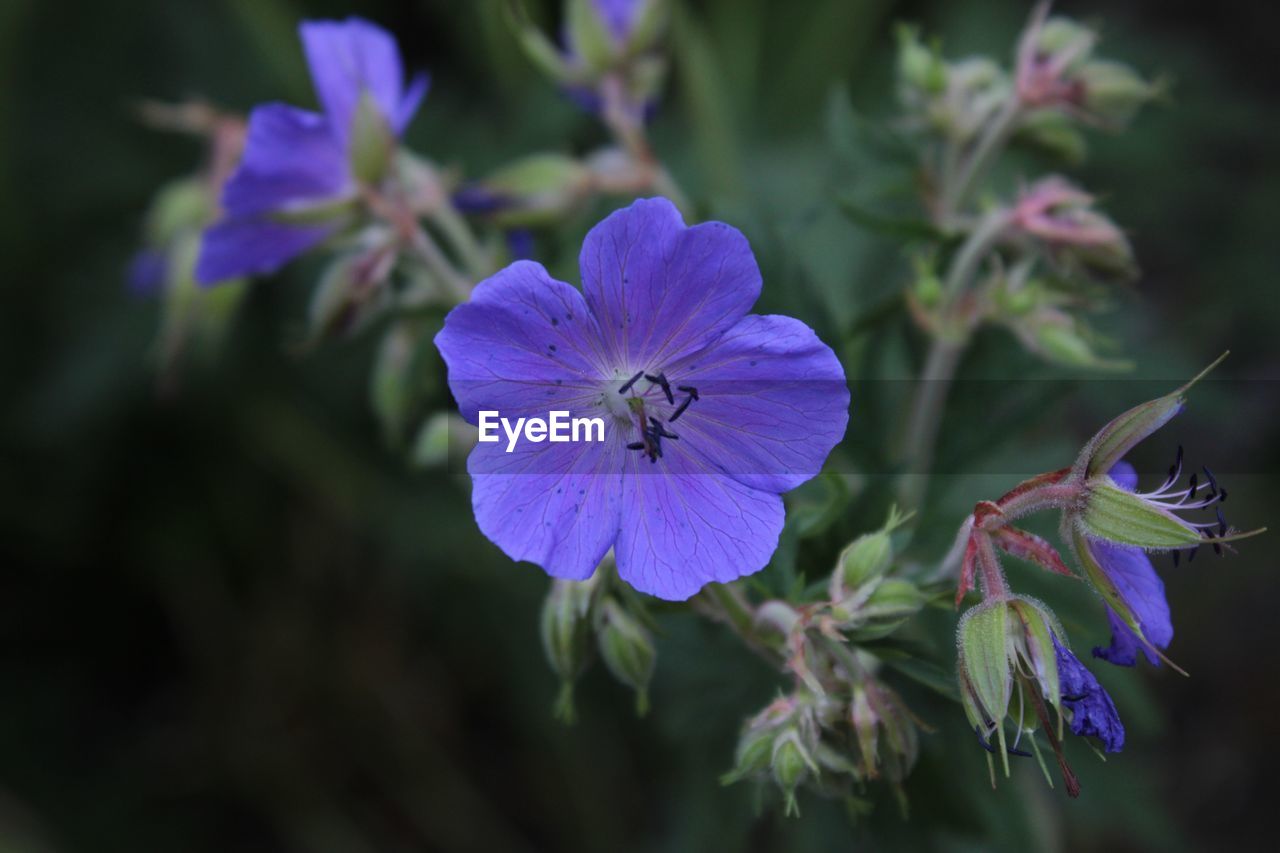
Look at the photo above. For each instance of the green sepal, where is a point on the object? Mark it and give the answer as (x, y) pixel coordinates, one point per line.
(1116, 515)
(372, 141)
(984, 655)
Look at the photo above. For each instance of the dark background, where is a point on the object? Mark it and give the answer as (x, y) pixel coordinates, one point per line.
(230, 620)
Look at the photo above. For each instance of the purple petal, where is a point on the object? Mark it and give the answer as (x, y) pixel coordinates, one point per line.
(773, 402)
(1093, 714)
(348, 58)
(1125, 645)
(524, 344)
(290, 159)
(661, 291)
(1124, 475)
(618, 16)
(409, 104)
(684, 526)
(556, 505)
(247, 247)
(1139, 586)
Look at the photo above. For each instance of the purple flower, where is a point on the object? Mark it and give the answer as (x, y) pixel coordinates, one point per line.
(296, 178)
(1139, 587)
(1093, 714)
(710, 413)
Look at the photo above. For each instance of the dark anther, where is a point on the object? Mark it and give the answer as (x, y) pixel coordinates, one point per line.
(1193, 484)
(1066, 698)
(1213, 482)
(688, 389)
(1222, 496)
(680, 410)
(658, 430)
(661, 381)
(1222, 523)
(626, 386)
(1177, 558)
(1191, 555)
(1178, 461)
(989, 747)
(636, 445)
(985, 744)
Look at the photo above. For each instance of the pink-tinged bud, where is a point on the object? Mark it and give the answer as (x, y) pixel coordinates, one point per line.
(1062, 217)
(1055, 69)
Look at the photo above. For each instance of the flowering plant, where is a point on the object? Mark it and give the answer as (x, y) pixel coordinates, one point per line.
(726, 480)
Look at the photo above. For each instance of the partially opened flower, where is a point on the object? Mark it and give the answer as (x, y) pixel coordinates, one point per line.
(300, 177)
(710, 413)
(1112, 526)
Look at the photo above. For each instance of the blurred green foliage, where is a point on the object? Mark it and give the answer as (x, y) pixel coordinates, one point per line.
(230, 620)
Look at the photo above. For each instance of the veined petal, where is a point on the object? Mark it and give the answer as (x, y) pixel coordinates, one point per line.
(773, 402)
(661, 291)
(290, 158)
(1139, 587)
(524, 344)
(684, 525)
(248, 247)
(348, 58)
(556, 505)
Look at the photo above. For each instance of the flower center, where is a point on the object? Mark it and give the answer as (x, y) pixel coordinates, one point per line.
(642, 400)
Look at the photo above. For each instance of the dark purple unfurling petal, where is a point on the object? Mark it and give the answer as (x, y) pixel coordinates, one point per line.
(1125, 645)
(249, 247)
(1135, 579)
(1093, 714)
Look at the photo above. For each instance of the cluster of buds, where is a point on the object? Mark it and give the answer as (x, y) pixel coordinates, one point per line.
(596, 616)
(1015, 665)
(841, 725)
(610, 59)
(1050, 235)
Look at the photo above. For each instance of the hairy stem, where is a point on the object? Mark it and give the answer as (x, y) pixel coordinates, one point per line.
(459, 234)
(983, 155)
(727, 604)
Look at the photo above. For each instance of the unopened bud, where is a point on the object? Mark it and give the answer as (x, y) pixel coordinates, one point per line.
(402, 379)
(540, 189)
(920, 67)
(372, 141)
(565, 627)
(1113, 92)
(627, 650)
(791, 764)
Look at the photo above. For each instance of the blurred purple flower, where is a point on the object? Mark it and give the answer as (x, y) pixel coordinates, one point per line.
(618, 15)
(297, 168)
(1093, 714)
(711, 413)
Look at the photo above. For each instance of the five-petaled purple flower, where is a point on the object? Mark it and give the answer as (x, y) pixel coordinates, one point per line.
(711, 413)
(297, 175)
(1093, 714)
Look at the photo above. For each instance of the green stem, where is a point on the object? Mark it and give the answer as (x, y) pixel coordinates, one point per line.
(997, 133)
(728, 604)
(454, 284)
(464, 242)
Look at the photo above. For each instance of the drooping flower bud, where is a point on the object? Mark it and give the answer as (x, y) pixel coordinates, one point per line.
(792, 763)
(565, 627)
(627, 650)
(402, 380)
(1062, 217)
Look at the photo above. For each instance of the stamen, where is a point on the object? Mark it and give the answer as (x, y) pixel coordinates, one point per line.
(680, 410)
(1177, 558)
(688, 389)
(636, 445)
(1222, 496)
(1213, 483)
(626, 386)
(658, 430)
(661, 381)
